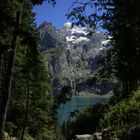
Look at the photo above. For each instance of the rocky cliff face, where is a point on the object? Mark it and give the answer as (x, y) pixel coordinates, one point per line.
(72, 54)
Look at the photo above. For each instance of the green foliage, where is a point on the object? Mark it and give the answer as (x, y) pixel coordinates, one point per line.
(41, 122)
(30, 103)
(84, 122)
(122, 116)
(117, 94)
(64, 95)
(27, 137)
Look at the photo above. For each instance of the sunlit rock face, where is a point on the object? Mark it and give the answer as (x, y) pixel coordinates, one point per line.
(72, 53)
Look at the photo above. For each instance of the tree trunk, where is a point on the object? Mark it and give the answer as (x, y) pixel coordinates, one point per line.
(1, 64)
(27, 109)
(6, 89)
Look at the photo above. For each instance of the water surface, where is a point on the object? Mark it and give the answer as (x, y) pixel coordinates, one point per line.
(78, 102)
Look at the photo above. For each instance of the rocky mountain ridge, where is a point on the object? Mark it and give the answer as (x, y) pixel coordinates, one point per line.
(71, 54)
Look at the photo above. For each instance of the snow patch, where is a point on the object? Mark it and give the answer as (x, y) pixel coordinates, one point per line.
(105, 42)
(80, 30)
(76, 40)
(82, 39)
(77, 34)
(68, 25)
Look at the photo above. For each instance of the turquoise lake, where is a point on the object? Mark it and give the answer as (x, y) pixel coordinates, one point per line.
(78, 102)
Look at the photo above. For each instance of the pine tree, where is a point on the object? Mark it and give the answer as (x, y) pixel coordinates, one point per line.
(13, 16)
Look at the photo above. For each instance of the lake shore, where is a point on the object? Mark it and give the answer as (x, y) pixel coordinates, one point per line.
(88, 94)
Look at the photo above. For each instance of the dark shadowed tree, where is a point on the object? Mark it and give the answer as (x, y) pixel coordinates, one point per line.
(13, 16)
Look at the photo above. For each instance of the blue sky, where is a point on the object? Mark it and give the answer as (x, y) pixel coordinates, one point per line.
(55, 15)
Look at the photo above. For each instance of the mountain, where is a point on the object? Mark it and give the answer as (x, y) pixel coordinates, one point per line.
(71, 55)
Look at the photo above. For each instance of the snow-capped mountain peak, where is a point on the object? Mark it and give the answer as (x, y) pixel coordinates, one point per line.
(75, 29)
(67, 25)
(75, 34)
(72, 52)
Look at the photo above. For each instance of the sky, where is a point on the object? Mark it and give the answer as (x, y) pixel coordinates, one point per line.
(55, 15)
